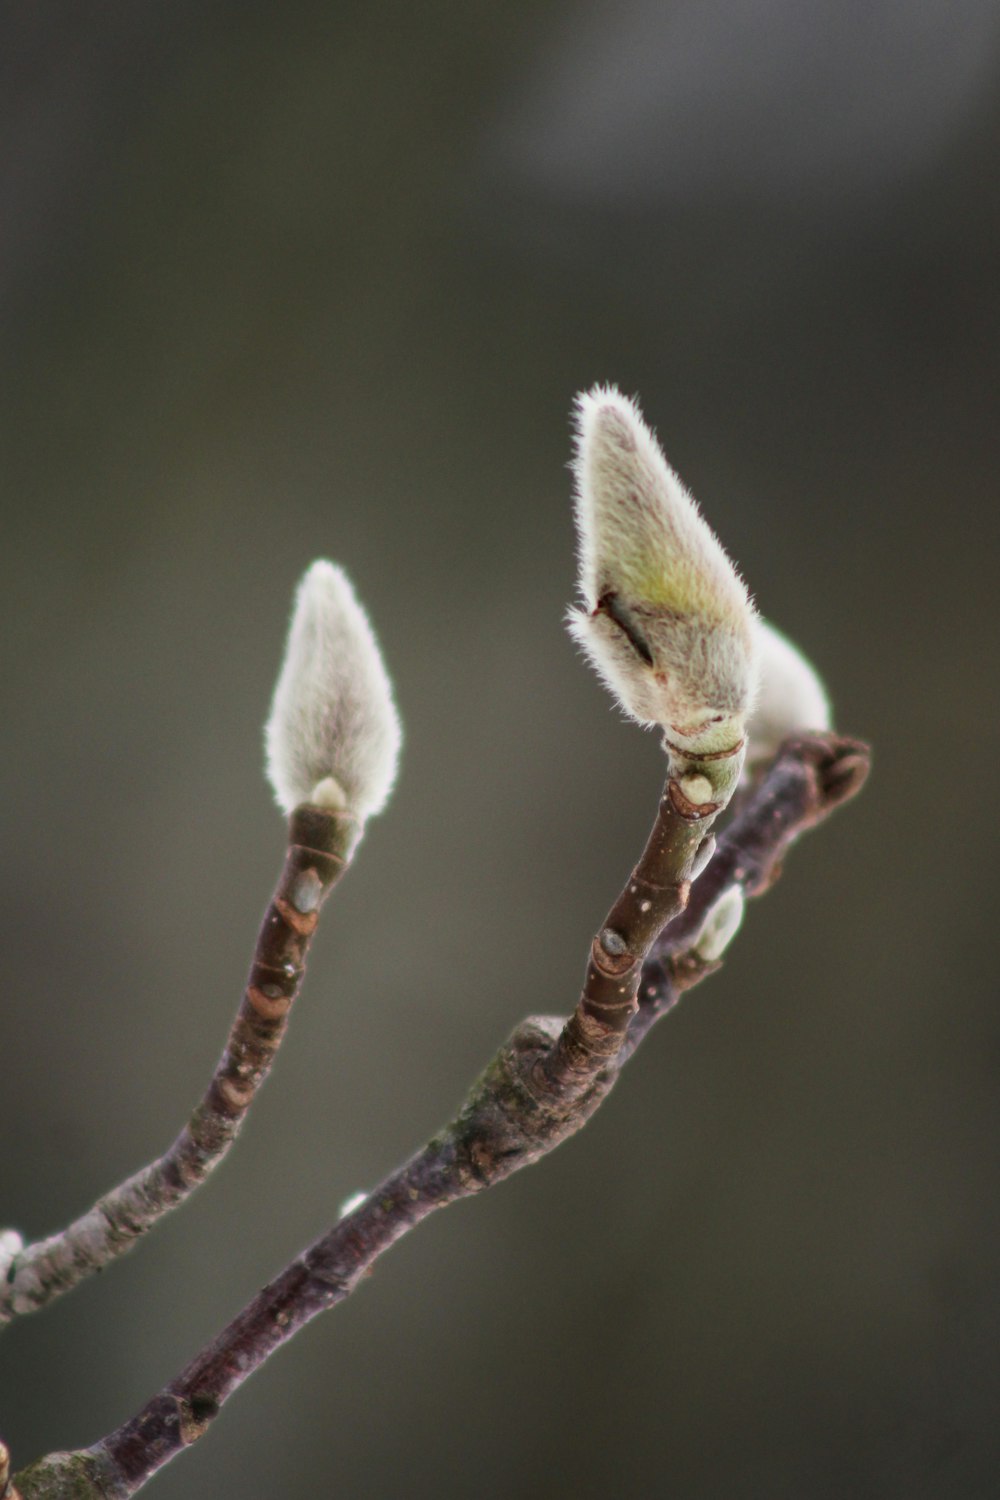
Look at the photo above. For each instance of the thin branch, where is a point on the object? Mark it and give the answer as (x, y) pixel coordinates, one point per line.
(809, 778)
(319, 845)
(540, 1088)
(811, 775)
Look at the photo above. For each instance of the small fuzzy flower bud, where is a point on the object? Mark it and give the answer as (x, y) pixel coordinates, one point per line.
(350, 1204)
(721, 925)
(333, 736)
(668, 623)
(11, 1245)
(791, 698)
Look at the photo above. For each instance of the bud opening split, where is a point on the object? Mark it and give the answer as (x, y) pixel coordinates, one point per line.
(668, 623)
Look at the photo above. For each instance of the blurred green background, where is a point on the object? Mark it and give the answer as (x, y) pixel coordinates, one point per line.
(279, 282)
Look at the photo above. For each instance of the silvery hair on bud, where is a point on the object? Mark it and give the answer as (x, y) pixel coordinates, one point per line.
(668, 623)
(791, 698)
(333, 735)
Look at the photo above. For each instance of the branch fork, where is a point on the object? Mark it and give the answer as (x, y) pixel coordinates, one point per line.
(669, 626)
(542, 1086)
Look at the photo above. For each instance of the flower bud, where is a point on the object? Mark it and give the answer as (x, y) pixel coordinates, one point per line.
(352, 1202)
(11, 1245)
(721, 925)
(791, 698)
(333, 736)
(668, 623)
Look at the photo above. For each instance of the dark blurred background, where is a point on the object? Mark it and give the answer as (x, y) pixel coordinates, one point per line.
(279, 282)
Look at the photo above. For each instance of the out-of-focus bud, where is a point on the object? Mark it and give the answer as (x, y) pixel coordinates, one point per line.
(333, 736)
(791, 698)
(668, 623)
(11, 1245)
(350, 1204)
(721, 925)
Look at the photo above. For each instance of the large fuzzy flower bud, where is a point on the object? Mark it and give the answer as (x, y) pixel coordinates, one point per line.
(333, 736)
(668, 623)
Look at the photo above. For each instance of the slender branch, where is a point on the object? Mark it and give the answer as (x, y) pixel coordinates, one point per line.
(810, 777)
(319, 846)
(657, 891)
(540, 1088)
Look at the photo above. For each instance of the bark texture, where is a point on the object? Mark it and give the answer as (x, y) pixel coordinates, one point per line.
(541, 1087)
(38, 1273)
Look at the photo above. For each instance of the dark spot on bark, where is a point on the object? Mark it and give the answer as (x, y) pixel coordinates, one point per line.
(204, 1408)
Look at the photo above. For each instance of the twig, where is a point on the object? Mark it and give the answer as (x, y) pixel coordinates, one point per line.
(808, 779)
(811, 775)
(539, 1089)
(319, 845)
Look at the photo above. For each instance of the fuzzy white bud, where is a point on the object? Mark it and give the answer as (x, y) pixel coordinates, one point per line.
(350, 1204)
(721, 925)
(11, 1245)
(333, 736)
(791, 697)
(668, 623)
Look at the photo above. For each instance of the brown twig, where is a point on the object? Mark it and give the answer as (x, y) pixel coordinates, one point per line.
(810, 776)
(319, 846)
(807, 780)
(540, 1088)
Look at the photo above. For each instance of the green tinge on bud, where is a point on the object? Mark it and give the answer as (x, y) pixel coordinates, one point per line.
(721, 925)
(791, 698)
(333, 736)
(668, 622)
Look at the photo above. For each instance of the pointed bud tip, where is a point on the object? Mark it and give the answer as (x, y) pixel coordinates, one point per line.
(333, 731)
(617, 418)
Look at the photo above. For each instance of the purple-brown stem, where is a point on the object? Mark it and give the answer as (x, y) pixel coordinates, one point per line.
(319, 846)
(807, 780)
(656, 892)
(526, 1102)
